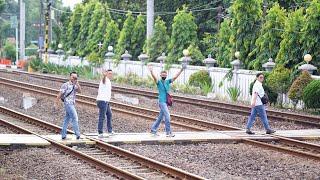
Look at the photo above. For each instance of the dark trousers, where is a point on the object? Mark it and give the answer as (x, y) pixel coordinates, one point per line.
(104, 110)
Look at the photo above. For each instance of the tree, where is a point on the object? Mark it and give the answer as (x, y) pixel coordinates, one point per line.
(138, 36)
(207, 44)
(246, 15)
(291, 52)
(111, 36)
(223, 45)
(184, 33)
(296, 90)
(61, 29)
(1, 5)
(196, 55)
(96, 29)
(124, 41)
(9, 51)
(311, 37)
(84, 28)
(268, 43)
(74, 27)
(158, 43)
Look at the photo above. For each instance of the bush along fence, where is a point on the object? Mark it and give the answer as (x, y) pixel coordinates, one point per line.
(219, 82)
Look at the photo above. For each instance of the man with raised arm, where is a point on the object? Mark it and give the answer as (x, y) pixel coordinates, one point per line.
(163, 85)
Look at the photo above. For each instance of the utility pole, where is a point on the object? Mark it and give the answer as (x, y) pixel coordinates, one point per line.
(47, 17)
(40, 38)
(150, 17)
(22, 28)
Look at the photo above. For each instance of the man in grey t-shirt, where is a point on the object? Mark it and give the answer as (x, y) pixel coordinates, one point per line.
(67, 93)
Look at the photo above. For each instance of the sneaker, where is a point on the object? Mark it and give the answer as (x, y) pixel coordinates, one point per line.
(79, 137)
(270, 131)
(170, 135)
(111, 133)
(100, 135)
(248, 131)
(154, 134)
(63, 138)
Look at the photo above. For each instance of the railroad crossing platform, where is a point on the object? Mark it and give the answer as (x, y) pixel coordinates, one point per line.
(207, 136)
(22, 139)
(147, 138)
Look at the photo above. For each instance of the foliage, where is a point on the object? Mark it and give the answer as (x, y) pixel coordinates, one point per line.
(124, 41)
(74, 27)
(111, 36)
(291, 52)
(159, 41)
(184, 33)
(223, 45)
(296, 89)
(196, 55)
(186, 88)
(311, 94)
(138, 36)
(207, 88)
(200, 79)
(1, 5)
(311, 37)
(268, 43)
(86, 18)
(9, 51)
(245, 15)
(279, 79)
(207, 44)
(97, 29)
(32, 50)
(233, 93)
(95, 59)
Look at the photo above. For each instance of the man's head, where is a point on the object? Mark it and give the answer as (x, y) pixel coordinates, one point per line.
(163, 75)
(260, 77)
(108, 73)
(73, 77)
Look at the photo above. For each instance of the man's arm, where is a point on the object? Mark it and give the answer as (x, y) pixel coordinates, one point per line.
(177, 75)
(254, 99)
(78, 87)
(152, 74)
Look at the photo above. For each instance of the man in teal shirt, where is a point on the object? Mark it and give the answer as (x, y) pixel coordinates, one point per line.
(163, 85)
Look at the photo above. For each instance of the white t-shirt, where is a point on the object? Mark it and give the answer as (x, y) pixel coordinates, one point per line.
(257, 88)
(104, 92)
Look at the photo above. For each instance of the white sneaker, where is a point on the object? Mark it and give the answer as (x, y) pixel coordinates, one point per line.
(154, 134)
(103, 135)
(111, 133)
(100, 135)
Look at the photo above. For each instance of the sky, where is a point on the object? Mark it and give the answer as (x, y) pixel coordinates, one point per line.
(70, 3)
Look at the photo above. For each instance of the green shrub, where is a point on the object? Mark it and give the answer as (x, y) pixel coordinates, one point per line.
(207, 88)
(9, 51)
(233, 93)
(279, 80)
(311, 95)
(200, 78)
(296, 89)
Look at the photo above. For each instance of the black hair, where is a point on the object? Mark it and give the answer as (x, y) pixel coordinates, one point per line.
(259, 74)
(73, 72)
(109, 70)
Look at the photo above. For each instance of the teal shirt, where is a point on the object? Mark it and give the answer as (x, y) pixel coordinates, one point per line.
(162, 92)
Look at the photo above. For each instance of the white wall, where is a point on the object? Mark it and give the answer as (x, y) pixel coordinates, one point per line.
(243, 77)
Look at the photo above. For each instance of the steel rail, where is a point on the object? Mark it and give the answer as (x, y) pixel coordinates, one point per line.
(304, 154)
(152, 164)
(211, 104)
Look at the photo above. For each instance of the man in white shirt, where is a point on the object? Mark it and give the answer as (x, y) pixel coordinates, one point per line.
(257, 106)
(103, 103)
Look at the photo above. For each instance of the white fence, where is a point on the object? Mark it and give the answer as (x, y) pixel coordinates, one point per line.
(241, 78)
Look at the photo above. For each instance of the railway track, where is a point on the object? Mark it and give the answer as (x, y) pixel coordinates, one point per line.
(282, 144)
(178, 120)
(203, 103)
(114, 160)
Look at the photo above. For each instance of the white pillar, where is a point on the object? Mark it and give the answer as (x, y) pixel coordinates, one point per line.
(150, 17)
(22, 28)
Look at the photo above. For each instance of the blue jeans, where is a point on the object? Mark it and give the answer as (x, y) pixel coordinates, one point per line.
(71, 114)
(164, 111)
(104, 109)
(262, 114)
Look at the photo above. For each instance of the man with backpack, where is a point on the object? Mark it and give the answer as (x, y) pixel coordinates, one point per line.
(67, 95)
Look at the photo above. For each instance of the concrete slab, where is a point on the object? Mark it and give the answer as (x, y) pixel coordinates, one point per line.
(180, 137)
(70, 140)
(22, 139)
